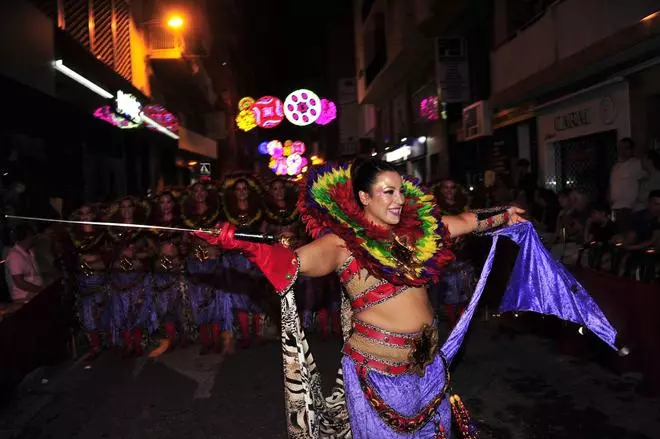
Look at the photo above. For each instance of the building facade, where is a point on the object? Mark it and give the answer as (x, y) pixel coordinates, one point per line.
(418, 63)
(124, 94)
(569, 79)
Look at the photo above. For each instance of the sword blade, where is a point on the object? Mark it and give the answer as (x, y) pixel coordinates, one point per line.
(101, 223)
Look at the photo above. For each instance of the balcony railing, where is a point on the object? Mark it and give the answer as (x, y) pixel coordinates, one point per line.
(162, 42)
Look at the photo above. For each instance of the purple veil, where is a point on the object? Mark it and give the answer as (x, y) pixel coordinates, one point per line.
(538, 283)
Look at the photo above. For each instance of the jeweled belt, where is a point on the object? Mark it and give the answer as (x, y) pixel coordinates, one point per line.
(423, 345)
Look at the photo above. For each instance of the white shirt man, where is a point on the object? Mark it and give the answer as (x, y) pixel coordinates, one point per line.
(625, 178)
(23, 278)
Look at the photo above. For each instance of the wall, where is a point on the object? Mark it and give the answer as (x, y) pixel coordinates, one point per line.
(566, 28)
(644, 92)
(140, 70)
(27, 58)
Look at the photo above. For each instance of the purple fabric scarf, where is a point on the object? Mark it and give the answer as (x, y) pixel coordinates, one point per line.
(538, 283)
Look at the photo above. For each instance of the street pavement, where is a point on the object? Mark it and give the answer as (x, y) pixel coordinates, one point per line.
(517, 387)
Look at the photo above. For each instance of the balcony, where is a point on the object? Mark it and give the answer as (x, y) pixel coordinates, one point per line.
(162, 42)
(567, 33)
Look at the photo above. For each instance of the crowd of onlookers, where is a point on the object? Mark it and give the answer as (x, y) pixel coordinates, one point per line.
(616, 230)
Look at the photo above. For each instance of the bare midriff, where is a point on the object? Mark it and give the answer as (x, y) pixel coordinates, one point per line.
(405, 313)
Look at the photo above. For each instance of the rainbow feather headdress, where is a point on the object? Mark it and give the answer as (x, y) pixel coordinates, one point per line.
(412, 253)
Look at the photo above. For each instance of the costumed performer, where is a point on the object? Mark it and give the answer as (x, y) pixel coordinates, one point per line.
(130, 275)
(168, 281)
(92, 297)
(242, 204)
(458, 277)
(211, 306)
(385, 238)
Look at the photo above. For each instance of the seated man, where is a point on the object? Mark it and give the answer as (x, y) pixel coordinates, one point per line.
(642, 241)
(599, 233)
(23, 275)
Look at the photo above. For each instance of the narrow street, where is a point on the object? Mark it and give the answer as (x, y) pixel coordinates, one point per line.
(517, 387)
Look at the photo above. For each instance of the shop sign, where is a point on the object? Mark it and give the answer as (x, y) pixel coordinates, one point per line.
(128, 106)
(604, 109)
(572, 120)
(398, 154)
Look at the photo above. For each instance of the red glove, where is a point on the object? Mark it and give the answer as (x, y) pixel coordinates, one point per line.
(279, 264)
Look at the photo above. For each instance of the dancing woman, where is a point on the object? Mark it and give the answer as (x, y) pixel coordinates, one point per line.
(211, 307)
(242, 204)
(384, 237)
(91, 278)
(130, 279)
(168, 282)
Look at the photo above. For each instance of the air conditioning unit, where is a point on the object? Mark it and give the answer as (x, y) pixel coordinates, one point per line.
(477, 121)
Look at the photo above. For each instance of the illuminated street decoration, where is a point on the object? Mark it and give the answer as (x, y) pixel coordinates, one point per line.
(286, 158)
(268, 111)
(245, 103)
(302, 107)
(163, 117)
(129, 107)
(298, 147)
(245, 120)
(328, 112)
(275, 148)
(428, 108)
(107, 114)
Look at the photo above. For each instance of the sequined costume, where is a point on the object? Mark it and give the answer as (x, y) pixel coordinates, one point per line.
(169, 283)
(92, 296)
(130, 280)
(207, 292)
(242, 206)
(396, 385)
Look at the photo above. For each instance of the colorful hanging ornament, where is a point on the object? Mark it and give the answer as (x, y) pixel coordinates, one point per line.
(302, 107)
(159, 114)
(268, 111)
(245, 120)
(328, 112)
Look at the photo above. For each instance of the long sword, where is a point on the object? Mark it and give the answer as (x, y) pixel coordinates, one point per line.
(241, 235)
(106, 224)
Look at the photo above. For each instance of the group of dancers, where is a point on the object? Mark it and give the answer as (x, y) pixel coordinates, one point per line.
(385, 238)
(132, 283)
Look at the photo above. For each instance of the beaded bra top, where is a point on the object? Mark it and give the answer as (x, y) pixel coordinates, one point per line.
(365, 290)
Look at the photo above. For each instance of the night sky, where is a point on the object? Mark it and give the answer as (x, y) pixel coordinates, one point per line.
(289, 44)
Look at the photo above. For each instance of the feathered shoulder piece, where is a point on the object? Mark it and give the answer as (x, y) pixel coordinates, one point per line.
(411, 253)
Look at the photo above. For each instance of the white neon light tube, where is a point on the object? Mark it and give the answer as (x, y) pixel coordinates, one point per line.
(60, 67)
(159, 127)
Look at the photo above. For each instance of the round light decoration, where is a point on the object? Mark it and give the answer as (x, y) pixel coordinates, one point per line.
(263, 148)
(428, 108)
(245, 120)
(285, 158)
(107, 114)
(302, 107)
(245, 103)
(268, 111)
(328, 112)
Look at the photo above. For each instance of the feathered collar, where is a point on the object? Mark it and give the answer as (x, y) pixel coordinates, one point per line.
(412, 253)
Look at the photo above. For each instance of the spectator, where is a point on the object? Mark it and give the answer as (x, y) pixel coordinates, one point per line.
(23, 275)
(625, 183)
(650, 184)
(600, 228)
(645, 231)
(563, 217)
